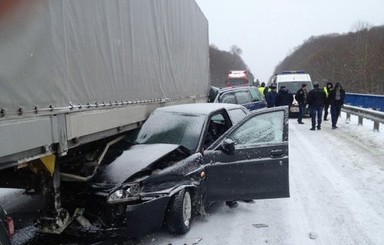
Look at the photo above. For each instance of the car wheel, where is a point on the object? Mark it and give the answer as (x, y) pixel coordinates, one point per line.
(180, 212)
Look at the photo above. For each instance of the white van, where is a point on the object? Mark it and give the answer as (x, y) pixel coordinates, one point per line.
(292, 80)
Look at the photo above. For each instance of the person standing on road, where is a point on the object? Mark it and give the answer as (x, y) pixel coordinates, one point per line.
(271, 96)
(301, 98)
(336, 101)
(262, 88)
(284, 97)
(268, 89)
(327, 89)
(316, 98)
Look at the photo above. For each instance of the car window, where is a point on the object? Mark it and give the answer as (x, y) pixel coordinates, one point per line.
(172, 128)
(228, 98)
(260, 129)
(221, 122)
(236, 115)
(294, 86)
(218, 118)
(243, 97)
(216, 127)
(256, 94)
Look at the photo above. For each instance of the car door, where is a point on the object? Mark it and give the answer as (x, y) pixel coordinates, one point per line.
(244, 98)
(257, 98)
(257, 165)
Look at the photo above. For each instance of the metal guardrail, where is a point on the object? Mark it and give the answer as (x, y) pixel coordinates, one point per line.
(376, 102)
(376, 116)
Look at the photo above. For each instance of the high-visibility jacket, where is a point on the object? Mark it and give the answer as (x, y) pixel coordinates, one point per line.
(326, 91)
(261, 89)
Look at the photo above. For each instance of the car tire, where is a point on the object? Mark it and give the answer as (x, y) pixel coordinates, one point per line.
(180, 212)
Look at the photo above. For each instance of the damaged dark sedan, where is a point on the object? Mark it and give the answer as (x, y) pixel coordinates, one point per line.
(185, 157)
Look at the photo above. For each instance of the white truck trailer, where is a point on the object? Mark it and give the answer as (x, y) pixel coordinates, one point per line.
(77, 74)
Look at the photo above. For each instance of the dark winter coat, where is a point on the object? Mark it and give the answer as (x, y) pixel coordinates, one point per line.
(284, 97)
(316, 97)
(266, 90)
(332, 96)
(271, 98)
(301, 96)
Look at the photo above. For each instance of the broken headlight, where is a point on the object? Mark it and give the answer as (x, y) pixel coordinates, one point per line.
(124, 194)
(134, 190)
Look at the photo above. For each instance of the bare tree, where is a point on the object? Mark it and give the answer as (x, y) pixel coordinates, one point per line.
(236, 50)
(356, 59)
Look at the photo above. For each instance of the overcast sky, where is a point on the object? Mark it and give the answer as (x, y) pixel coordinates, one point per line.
(268, 30)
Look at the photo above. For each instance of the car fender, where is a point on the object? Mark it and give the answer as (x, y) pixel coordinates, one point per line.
(179, 188)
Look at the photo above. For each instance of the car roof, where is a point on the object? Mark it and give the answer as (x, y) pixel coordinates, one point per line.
(236, 88)
(200, 108)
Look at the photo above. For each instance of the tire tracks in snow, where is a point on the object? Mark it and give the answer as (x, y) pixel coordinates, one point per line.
(334, 204)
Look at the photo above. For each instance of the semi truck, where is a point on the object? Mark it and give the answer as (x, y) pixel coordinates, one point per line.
(77, 76)
(239, 78)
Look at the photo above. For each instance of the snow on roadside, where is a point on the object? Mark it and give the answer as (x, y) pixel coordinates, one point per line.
(365, 132)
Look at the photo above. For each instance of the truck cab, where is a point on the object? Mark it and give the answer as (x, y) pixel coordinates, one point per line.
(238, 78)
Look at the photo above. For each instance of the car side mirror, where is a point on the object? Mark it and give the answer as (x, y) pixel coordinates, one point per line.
(228, 146)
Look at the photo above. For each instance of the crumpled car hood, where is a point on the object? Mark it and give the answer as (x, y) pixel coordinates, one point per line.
(137, 158)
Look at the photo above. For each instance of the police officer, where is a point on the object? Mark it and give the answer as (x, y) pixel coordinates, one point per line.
(262, 88)
(327, 89)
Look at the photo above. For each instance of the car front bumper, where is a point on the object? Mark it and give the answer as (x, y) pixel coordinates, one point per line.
(146, 217)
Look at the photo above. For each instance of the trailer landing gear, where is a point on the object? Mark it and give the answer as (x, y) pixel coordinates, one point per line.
(56, 218)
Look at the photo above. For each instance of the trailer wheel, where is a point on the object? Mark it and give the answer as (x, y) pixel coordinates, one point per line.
(179, 215)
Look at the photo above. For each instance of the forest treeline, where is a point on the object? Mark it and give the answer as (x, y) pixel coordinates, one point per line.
(221, 62)
(355, 59)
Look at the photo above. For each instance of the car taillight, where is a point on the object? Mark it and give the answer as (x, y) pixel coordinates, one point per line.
(10, 226)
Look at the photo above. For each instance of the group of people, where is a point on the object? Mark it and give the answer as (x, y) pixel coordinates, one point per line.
(317, 99)
(274, 98)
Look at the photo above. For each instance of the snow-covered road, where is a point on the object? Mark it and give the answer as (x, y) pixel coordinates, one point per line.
(337, 196)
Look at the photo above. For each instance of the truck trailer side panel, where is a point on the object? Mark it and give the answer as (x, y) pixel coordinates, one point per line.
(71, 57)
